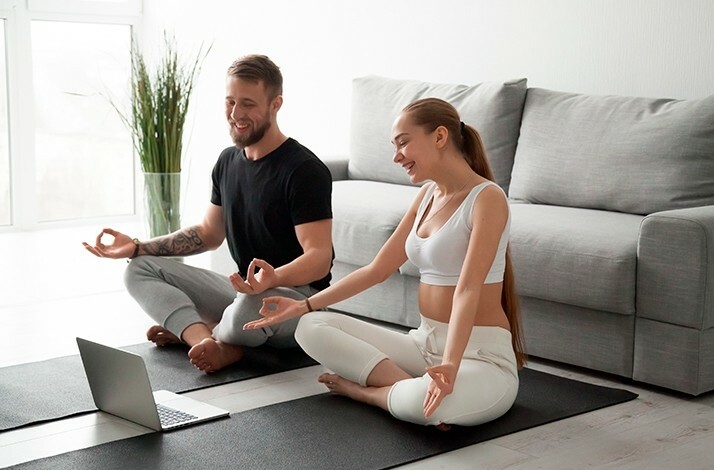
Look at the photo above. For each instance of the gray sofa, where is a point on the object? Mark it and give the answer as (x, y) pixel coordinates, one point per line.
(612, 237)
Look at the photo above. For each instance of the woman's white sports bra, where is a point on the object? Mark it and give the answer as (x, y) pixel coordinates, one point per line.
(440, 256)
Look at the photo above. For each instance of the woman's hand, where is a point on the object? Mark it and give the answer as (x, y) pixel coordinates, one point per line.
(122, 246)
(277, 310)
(255, 283)
(443, 377)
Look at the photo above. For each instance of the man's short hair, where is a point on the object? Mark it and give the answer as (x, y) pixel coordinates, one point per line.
(259, 68)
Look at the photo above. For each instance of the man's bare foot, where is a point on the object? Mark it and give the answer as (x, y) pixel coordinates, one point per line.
(160, 336)
(211, 355)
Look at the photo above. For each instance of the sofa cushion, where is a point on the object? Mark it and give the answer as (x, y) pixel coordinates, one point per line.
(365, 213)
(580, 257)
(493, 108)
(635, 155)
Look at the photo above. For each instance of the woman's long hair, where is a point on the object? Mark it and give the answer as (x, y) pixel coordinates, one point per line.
(430, 113)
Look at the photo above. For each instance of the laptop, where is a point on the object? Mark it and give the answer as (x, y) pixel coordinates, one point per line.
(120, 386)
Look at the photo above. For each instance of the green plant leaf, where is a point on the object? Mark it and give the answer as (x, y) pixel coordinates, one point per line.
(160, 101)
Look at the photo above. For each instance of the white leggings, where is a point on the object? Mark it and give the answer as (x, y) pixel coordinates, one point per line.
(486, 383)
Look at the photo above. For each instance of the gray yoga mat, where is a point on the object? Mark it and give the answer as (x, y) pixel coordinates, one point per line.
(332, 432)
(57, 388)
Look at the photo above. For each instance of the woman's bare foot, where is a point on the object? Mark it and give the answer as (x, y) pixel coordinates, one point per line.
(375, 396)
(160, 336)
(372, 395)
(211, 355)
(342, 386)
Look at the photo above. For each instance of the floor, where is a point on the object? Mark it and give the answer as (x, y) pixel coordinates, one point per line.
(52, 290)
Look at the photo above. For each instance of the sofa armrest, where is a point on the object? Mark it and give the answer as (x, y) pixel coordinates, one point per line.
(675, 267)
(337, 166)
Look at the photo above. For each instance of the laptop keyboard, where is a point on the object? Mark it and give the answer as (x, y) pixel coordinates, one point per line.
(170, 417)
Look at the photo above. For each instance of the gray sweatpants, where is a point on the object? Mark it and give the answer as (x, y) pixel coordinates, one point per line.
(177, 295)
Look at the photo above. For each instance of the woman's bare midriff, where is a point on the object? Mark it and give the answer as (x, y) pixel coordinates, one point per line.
(435, 303)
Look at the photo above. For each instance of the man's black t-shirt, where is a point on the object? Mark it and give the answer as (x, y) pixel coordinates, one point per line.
(263, 200)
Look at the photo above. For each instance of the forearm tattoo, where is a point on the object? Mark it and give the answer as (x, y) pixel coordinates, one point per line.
(181, 243)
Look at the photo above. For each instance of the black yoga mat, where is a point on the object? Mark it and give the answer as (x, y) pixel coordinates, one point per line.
(57, 388)
(332, 432)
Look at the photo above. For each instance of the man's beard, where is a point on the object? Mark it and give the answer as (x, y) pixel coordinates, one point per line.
(251, 138)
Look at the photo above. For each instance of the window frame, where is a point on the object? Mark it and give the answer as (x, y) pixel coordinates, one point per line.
(18, 16)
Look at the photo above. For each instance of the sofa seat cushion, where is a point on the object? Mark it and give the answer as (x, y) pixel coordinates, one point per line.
(365, 213)
(618, 153)
(493, 108)
(581, 257)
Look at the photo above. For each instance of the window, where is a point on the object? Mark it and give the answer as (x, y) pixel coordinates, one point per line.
(65, 154)
(83, 152)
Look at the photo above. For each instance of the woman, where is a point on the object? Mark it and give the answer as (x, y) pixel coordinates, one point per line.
(460, 365)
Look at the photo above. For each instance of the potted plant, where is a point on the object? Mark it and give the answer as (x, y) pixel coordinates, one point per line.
(159, 105)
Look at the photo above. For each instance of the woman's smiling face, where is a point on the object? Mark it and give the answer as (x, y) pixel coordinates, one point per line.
(412, 148)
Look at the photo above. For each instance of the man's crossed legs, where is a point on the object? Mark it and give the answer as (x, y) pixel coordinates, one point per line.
(203, 310)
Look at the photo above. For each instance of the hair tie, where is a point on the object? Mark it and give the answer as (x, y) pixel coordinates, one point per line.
(463, 126)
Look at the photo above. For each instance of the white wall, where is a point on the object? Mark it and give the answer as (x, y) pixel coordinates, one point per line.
(658, 48)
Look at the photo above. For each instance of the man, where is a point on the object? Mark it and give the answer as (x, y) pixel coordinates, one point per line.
(271, 200)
